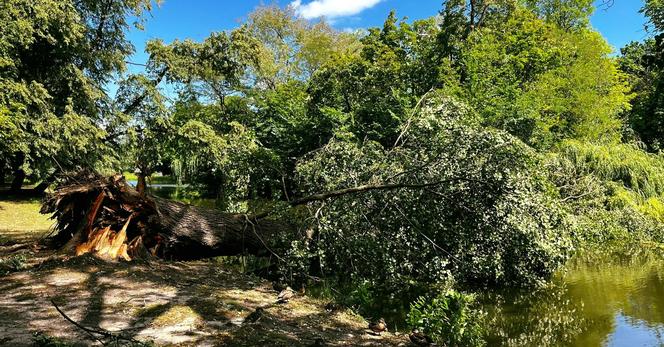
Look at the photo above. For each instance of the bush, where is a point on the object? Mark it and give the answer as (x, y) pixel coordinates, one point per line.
(450, 319)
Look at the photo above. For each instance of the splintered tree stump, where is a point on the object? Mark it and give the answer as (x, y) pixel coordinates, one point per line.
(107, 217)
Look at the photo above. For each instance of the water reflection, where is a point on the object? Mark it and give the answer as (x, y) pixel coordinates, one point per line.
(635, 332)
(612, 301)
(160, 190)
(181, 193)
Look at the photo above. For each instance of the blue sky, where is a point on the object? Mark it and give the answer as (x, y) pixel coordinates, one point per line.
(181, 19)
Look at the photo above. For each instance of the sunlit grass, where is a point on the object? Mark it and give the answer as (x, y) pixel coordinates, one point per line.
(177, 315)
(21, 220)
(154, 179)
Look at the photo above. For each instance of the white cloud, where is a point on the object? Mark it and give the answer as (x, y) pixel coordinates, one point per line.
(354, 30)
(332, 8)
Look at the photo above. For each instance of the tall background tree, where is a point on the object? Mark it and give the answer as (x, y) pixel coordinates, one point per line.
(55, 60)
(644, 63)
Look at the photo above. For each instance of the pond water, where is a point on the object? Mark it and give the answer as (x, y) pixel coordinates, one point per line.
(610, 301)
(163, 190)
(173, 191)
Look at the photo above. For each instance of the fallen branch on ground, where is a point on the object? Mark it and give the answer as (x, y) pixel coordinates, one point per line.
(93, 332)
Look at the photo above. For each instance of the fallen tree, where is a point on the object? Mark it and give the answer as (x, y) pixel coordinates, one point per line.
(108, 217)
(451, 200)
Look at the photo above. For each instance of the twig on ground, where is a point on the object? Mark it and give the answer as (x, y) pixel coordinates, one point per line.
(94, 332)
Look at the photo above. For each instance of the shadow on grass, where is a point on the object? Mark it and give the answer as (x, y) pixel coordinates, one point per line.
(25, 194)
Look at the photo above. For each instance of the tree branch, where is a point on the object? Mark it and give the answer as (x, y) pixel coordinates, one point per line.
(92, 332)
(359, 189)
(131, 107)
(370, 187)
(136, 64)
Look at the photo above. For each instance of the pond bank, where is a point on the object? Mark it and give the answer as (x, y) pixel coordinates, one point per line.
(170, 303)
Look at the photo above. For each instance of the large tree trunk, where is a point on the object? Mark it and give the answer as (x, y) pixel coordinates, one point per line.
(106, 215)
(141, 184)
(2, 172)
(17, 182)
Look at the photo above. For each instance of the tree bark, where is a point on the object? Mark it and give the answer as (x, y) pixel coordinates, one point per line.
(141, 185)
(17, 182)
(19, 174)
(2, 172)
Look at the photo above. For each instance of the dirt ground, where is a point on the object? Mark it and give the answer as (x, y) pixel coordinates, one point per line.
(169, 303)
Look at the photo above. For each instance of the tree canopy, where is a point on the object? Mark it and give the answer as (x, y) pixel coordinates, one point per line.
(56, 58)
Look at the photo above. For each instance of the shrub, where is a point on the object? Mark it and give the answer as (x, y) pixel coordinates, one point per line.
(450, 319)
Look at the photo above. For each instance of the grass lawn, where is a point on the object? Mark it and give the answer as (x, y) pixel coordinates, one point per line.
(130, 176)
(20, 220)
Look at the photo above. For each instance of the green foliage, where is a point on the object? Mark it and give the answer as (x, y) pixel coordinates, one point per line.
(625, 164)
(13, 264)
(654, 10)
(610, 191)
(566, 14)
(42, 340)
(55, 58)
(291, 48)
(212, 68)
(481, 217)
(542, 83)
(371, 93)
(643, 62)
(450, 319)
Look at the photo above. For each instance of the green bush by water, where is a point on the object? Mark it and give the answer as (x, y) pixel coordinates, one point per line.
(450, 319)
